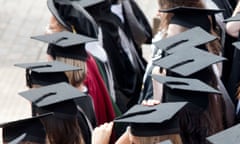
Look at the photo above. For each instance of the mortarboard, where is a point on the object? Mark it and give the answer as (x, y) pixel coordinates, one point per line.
(57, 98)
(193, 16)
(228, 136)
(152, 121)
(233, 18)
(29, 129)
(71, 15)
(237, 45)
(192, 10)
(87, 3)
(66, 44)
(46, 73)
(188, 61)
(187, 84)
(192, 37)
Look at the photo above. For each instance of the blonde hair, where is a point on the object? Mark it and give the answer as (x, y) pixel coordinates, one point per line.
(75, 78)
(175, 138)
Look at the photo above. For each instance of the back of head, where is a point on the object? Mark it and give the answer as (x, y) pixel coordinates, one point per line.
(63, 131)
(75, 78)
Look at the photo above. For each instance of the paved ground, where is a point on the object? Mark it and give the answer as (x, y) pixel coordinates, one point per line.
(20, 19)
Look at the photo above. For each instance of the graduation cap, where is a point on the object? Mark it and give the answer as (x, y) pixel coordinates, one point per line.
(46, 73)
(192, 37)
(57, 98)
(188, 61)
(237, 45)
(152, 121)
(87, 3)
(233, 18)
(187, 84)
(192, 16)
(70, 14)
(228, 136)
(30, 129)
(66, 44)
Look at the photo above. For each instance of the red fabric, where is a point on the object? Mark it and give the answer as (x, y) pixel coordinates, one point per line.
(98, 91)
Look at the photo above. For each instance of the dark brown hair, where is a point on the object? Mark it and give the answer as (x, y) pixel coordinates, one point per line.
(63, 131)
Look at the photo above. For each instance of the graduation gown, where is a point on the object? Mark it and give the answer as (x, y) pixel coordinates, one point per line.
(98, 91)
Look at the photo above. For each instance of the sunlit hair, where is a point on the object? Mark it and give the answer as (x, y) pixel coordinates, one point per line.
(175, 138)
(238, 92)
(75, 77)
(63, 131)
(214, 46)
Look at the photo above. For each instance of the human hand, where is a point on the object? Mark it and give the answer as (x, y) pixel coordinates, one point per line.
(102, 134)
(150, 102)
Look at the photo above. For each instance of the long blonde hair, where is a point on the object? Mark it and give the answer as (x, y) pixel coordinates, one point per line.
(175, 138)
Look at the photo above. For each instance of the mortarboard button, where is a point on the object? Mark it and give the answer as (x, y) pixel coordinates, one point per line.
(152, 121)
(24, 130)
(188, 61)
(190, 38)
(46, 73)
(185, 84)
(66, 44)
(233, 18)
(57, 98)
(228, 136)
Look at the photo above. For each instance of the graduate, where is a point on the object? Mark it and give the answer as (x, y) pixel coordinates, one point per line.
(25, 131)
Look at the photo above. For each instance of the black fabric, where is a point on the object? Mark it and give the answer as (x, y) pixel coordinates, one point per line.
(234, 78)
(199, 99)
(226, 5)
(73, 52)
(194, 20)
(127, 79)
(142, 22)
(78, 18)
(87, 106)
(85, 129)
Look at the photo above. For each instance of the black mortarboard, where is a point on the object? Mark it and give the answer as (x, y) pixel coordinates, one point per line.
(46, 73)
(30, 129)
(237, 45)
(192, 10)
(228, 136)
(71, 15)
(66, 44)
(188, 61)
(187, 84)
(193, 16)
(152, 121)
(190, 38)
(233, 18)
(57, 98)
(88, 3)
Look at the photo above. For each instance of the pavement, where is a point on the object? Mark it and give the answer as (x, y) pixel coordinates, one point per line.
(19, 20)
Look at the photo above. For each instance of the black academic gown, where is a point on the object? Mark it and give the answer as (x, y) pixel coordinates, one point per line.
(127, 79)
